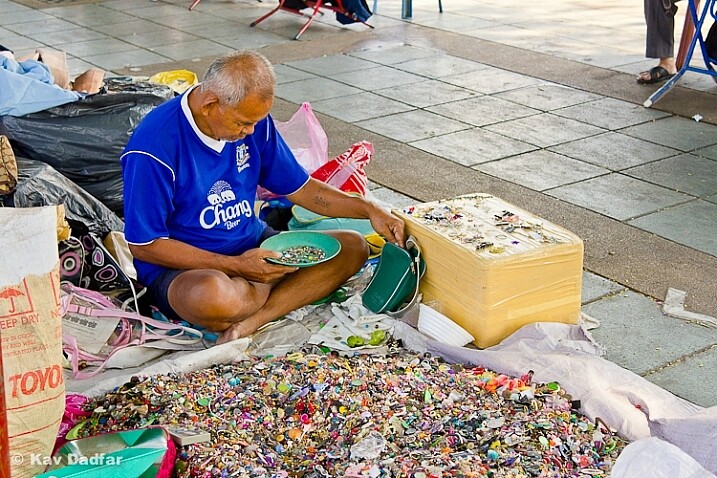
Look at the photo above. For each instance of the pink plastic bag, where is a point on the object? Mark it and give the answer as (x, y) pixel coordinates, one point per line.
(306, 138)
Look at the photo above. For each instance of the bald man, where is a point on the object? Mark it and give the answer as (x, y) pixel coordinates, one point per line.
(191, 170)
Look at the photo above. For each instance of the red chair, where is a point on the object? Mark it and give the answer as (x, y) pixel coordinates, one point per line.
(335, 6)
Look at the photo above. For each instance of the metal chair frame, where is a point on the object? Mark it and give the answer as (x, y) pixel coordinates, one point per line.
(336, 6)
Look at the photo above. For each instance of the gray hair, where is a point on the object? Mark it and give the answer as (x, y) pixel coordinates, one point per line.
(233, 77)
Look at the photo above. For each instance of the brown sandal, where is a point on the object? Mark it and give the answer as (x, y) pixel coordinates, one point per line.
(8, 168)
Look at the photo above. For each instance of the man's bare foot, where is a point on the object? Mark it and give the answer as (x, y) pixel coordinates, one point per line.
(664, 70)
(237, 331)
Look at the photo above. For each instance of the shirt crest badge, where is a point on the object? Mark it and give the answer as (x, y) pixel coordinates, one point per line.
(242, 157)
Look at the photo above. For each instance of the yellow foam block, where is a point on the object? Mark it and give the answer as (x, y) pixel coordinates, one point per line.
(496, 267)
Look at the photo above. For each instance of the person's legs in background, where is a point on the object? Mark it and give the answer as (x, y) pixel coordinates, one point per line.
(660, 41)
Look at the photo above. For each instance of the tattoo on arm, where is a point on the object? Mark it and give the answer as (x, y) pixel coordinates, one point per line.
(320, 199)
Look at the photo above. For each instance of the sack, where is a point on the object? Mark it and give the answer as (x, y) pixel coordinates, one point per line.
(141, 453)
(346, 171)
(86, 263)
(306, 138)
(98, 333)
(179, 80)
(42, 185)
(84, 139)
(396, 278)
(34, 383)
(8, 168)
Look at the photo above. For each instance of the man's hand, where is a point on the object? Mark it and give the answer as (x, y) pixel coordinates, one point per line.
(252, 266)
(388, 225)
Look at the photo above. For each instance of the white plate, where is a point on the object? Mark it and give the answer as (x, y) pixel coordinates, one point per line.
(441, 328)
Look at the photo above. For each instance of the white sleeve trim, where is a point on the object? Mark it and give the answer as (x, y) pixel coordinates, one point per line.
(299, 188)
(146, 243)
(174, 177)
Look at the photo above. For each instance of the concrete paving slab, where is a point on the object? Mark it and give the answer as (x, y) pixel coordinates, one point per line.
(314, 89)
(332, 65)
(490, 80)
(596, 287)
(11, 7)
(682, 380)
(545, 129)
(257, 39)
(454, 22)
(614, 151)
(62, 38)
(20, 44)
(541, 170)
(483, 110)
(23, 16)
(675, 132)
(150, 40)
(392, 54)
(287, 28)
(412, 125)
(192, 49)
(96, 20)
(710, 152)
(287, 74)
(637, 336)
(225, 29)
(547, 97)
(439, 66)
(426, 93)
(129, 29)
(377, 78)
(4, 33)
(610, 113)
(618, 196)
(51, 25)
(692, 224)
(150, 10)
(393, 198)
(360, 107)
(96, 47)
(712, 199)
(195, 23)
(473, 146)
(126, 59)
(685, 173)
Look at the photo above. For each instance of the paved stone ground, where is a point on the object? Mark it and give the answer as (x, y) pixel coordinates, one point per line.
(534, 103)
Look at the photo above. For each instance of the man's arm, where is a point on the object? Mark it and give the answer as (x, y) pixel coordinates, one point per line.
(326, 200)
(178, 255)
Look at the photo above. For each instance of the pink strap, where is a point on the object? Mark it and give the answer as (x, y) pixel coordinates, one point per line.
(103, 307)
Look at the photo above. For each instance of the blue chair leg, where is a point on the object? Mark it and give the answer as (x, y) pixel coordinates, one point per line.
(440, 6)
(375, 6)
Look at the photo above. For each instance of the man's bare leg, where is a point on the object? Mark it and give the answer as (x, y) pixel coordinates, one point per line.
(306, 285)
(212, 299)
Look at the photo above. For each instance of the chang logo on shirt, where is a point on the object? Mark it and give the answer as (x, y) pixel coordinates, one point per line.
(223, 207)
(242, 158)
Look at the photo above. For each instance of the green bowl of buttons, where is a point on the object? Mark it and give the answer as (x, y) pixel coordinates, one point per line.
(301, 248)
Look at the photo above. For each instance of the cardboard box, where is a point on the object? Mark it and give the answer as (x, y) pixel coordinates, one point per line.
(495, 267)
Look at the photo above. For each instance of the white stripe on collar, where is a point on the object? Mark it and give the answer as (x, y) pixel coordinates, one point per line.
(215, 144)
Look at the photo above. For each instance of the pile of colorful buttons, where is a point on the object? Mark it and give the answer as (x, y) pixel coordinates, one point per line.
(402, 415)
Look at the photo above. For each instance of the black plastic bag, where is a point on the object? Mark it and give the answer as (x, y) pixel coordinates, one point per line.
(41, 185)
(84, 140)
